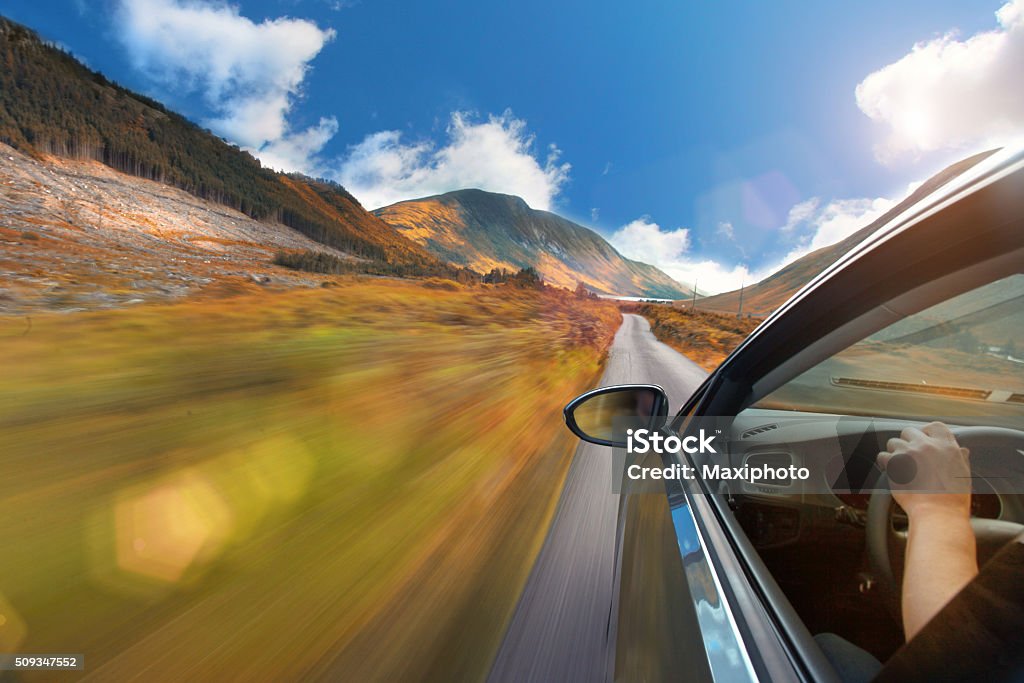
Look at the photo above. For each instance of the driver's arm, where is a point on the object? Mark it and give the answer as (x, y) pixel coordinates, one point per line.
(941, 554)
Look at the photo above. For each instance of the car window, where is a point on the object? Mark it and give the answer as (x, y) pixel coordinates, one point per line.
(960, 361)
(962, 357)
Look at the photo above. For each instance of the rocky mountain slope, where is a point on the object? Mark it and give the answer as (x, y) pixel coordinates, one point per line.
(77, 235)
(485, 230)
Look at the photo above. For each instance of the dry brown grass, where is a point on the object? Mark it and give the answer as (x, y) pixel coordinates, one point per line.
(705, 338)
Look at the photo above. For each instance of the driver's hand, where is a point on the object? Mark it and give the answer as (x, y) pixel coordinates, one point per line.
(933, 484)
(938, 476)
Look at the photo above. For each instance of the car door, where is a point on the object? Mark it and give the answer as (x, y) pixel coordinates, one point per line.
(689, 567)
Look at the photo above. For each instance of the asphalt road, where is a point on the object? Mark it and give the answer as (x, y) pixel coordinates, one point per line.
(564, 625)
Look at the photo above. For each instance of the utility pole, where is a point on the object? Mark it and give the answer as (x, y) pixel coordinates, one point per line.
(739, 312)
(694, 306)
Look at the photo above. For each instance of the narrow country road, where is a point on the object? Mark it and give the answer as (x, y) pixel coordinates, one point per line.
(564, 625)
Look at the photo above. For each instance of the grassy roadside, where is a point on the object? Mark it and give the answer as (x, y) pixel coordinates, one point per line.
(348, 483)
(705, 338)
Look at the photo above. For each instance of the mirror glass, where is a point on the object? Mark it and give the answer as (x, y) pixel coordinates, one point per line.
(595, 416)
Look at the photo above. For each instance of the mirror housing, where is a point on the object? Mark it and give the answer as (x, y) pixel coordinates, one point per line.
(590, 416)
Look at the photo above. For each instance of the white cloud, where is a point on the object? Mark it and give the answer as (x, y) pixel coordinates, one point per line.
(496, 155)
(595, 214)
(298, 151)
(249, 73)
(825, 225)
(949, 93)
(712, 277)
(818, 225)
(645, 237)
(727, 232)
(945, 94)
(828, 224)
(644, 240)
(799, 214)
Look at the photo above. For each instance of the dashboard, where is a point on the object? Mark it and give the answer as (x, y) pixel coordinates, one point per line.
(838, 454)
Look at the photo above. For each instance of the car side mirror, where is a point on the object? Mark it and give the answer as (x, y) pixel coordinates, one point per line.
(596, 415)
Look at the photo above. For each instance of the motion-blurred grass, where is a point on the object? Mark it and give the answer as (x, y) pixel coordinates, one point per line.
(348, 483)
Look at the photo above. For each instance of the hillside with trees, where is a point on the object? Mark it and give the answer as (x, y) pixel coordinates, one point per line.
(51, 104)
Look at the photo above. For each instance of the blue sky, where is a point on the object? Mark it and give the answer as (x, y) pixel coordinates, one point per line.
(716, 141)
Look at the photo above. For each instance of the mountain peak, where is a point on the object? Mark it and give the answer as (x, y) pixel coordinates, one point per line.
(475, 195)
(485, 230)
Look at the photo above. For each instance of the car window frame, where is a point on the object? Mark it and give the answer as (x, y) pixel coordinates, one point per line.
(834, 299)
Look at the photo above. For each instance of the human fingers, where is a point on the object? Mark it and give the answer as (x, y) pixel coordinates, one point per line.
(911, 434)
(896, 445)
(938, 430)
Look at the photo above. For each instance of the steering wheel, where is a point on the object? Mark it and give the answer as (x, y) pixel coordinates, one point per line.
(997, 455)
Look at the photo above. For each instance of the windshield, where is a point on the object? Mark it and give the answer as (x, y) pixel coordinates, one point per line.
(959, 357)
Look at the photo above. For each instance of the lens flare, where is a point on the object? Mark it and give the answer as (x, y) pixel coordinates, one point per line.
(164, 531)
(12, 627)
